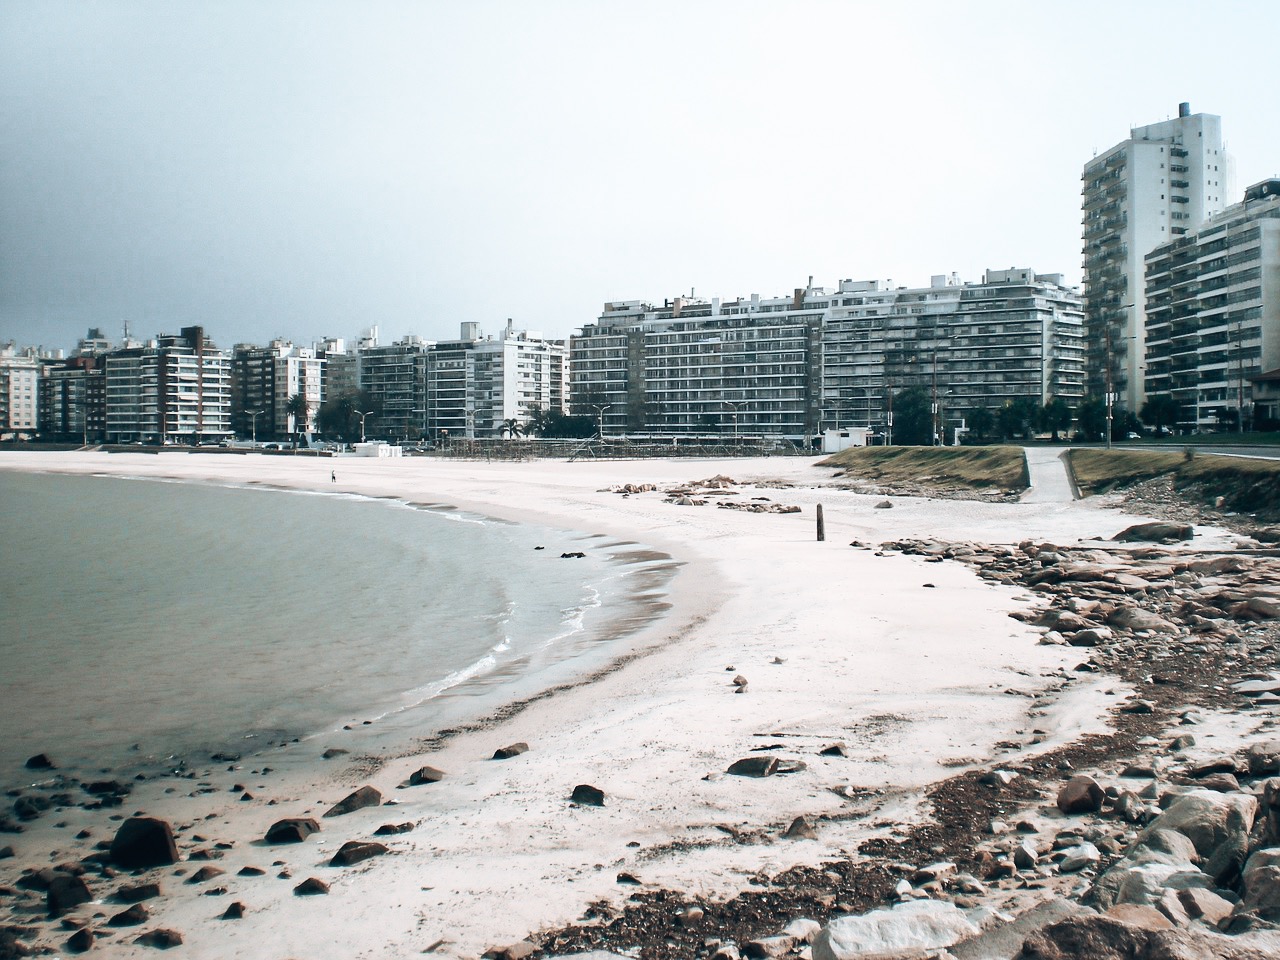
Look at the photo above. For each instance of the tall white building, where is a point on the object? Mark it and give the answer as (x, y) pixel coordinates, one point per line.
(264, 379)
(19, 390)
(175, 389)
(1162, 182)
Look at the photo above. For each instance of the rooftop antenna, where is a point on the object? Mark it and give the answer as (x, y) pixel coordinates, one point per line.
(126, 330)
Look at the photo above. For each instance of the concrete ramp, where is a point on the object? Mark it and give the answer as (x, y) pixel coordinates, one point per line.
(1050, 478)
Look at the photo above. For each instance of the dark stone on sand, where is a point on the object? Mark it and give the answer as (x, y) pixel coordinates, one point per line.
(144, 842)
(138, 892)
(628, 878)
(225, 757)
(834, 750)
(251, 872)
(801, 829)
(353, 851)
(391, 829)
(80, 941)
(310, 887)
(291, 830)
(6, 853)
(160, 939)
(205, 873)
(65, 892)
(587, 795)
(1157, 532)
(1081, 795)
(425, 775)
(37, 879)
(334, 752)
(135, 915)
(234, 911)
(30, 806)
(366, 796)
(104, 788)
(511, 750)
(754, 767)
(572, 556)
(39, 762)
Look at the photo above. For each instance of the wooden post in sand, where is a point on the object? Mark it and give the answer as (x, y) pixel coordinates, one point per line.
(822, 529)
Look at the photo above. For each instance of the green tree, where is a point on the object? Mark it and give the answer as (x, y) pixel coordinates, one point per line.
(537, 422)
(1161, 411)
(980, 423)
(1055, 416)
(1017, 417)
(912, 418)
(511, 427)
(337, 415)
(561, 427)
(299, 412)
(1091, 418)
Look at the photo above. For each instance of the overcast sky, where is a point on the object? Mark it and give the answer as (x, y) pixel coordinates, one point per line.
(304, 169)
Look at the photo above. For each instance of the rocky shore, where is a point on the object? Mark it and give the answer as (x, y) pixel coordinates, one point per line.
(1141, 843)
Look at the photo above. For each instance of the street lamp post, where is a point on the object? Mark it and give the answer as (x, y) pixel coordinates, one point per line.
(361, 414)
(733, 408)
(600, 408)
(253, 422)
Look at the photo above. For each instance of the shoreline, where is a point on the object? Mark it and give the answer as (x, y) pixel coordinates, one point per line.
(656, 727)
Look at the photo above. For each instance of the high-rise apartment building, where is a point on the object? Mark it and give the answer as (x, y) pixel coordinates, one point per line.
(1158, 185)
(389, 376)
(19, 390)
(791, 367)
(1213, 314)
(73, 399)
(175, 389)
(474, 385)
(263, 381)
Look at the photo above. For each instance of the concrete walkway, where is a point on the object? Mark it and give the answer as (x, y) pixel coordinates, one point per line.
(1050, 481)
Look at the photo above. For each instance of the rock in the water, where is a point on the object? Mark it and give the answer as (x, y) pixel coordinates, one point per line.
(510, 750)
(425, 775)
(366, 796)
(292, 830)
(761, 766)
(353, 851)
(142, 843)
(1081, 794)
(66, 892)
(162, 939)
(135, 915)
(921, 925)
(1157, 532)
(39, 762)
(587, 795)
(310, 887)
(30, 807)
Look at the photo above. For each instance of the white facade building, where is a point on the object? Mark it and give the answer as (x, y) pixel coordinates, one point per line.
(1213, 314)
(1162, 182)
(175, 389)
(19, 390)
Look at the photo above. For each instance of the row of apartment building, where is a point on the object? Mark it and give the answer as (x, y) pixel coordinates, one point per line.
(181, 388)
(784, 368)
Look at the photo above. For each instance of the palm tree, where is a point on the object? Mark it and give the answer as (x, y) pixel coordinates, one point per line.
(300, 411)
(511, 427)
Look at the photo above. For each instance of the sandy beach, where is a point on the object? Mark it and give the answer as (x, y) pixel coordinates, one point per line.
(915, 667)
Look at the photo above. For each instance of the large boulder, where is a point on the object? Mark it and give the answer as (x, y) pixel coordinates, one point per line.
(291, 830)
(921, 925)
(366, 796)
(511, 750)
(1146, 883)
(1081, 795)
(1157, 532)
(1217, 824)
(142, 843)
(425, 775)
(65, 892)
(1261, 893)
(1106, 938)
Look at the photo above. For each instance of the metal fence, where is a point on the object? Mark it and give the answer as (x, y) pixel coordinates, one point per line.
(612, 449)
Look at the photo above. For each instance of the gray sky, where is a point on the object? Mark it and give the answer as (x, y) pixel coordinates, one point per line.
(303, 169)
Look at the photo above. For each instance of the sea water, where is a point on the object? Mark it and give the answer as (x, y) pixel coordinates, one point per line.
(143, 621)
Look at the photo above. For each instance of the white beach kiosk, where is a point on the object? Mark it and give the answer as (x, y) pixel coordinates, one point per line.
(835, 440)
(377, 448)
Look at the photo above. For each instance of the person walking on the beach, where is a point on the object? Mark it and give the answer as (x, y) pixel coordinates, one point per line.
(333, 476)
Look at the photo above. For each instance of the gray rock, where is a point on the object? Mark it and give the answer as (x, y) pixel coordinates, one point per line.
(354, 851)
(366, 796)
(510, 750)
(291, 830)
(1157, 532)
(142, 843)
(920, 925)
(425, 775)
(1079, 857)
(1081, 794)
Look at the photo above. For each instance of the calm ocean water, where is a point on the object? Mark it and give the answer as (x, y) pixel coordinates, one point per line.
(143, 620)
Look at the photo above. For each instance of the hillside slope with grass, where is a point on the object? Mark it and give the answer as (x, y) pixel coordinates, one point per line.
(984, 471)
(1235, 483)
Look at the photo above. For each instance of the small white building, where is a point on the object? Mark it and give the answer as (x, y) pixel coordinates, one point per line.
(842, 438)
(377, 448)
